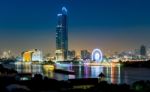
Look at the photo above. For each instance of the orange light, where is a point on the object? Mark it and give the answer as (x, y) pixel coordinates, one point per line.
(27, 56)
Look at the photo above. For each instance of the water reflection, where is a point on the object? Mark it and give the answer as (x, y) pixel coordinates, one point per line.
(29, 68)
(86, 71)
(96, 70)
(116, 75)
(119, 75)
(113, 74)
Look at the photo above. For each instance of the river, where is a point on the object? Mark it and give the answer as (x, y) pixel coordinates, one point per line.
(117, 74)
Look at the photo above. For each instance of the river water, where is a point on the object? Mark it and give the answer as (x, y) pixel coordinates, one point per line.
(117, 74)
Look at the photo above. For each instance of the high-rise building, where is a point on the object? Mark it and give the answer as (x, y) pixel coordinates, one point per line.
(7, 55)
(85, 54)
(62, 33)
(37, 55)
(27, 56)
(59, 55)
(32, 55)
(71, 54)
(143, 50)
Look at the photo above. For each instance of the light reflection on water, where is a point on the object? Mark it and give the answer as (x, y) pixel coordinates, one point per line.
(113, 74)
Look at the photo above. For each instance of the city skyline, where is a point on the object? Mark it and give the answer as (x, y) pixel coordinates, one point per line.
(108, 25)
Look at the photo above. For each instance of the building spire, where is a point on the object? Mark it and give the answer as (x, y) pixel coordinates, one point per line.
(64, 10)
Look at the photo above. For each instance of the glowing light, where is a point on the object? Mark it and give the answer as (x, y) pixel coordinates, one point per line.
(64, 9)
(59, 14)
(49, 67)
(32, 55)
(27, 56)
(97, 55)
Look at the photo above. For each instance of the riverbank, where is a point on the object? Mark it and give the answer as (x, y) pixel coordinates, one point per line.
(141, 64)
(9, 84)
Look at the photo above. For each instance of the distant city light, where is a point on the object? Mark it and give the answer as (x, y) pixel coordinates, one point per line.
(97, 55)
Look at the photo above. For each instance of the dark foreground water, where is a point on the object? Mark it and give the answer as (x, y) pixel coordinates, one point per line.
(113, 74)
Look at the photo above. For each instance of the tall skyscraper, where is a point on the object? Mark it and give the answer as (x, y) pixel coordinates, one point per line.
(62, 34)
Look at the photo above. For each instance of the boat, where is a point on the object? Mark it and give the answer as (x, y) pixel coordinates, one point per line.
(64, 72)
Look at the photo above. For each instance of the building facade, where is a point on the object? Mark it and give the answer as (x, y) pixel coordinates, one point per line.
(143, 50)
(71, 54)
(59, 55)
(62, 33)
(32, 55)
(37, 55)
(27, 56)
(85, 54)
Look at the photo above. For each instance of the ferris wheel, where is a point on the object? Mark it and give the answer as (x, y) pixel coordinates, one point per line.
(97, 55)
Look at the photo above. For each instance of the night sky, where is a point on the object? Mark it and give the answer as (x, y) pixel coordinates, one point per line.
(111, 25)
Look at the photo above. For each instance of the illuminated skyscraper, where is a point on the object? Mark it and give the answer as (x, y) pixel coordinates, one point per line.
(62, 33)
